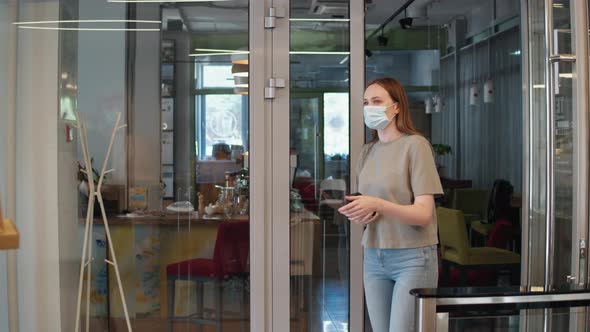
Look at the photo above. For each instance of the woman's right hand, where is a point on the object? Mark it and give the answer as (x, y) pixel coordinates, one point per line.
(369, 218)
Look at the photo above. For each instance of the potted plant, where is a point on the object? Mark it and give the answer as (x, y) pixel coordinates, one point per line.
(441, 150)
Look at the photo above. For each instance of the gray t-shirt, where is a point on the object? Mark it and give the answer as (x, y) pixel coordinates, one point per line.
(398, 171)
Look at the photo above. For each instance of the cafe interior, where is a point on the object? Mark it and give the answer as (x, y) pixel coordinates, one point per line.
(158, 123)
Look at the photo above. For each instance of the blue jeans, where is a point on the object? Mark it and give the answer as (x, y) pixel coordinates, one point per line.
(389, 275)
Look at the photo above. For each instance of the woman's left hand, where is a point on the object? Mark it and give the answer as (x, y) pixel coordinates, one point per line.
(360, 206)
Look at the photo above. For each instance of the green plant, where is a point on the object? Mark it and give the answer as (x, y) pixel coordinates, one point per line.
(82, 176)
(442, 149)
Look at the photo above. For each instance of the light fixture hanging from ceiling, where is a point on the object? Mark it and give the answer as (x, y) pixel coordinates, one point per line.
(406, 22)
(438, 103)
(428, 105)
(473, 89)
(239, 70)
(240, 57)
(101, 25)
(428, 100)
(241, 84)
(488, 91)
(488, 86)
(473, 94)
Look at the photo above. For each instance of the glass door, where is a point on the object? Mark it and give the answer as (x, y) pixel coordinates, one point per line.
(556, 215)
(309, 88)
(172, 250)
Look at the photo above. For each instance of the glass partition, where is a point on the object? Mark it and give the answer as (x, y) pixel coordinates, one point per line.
(320, 169)
(176, 188)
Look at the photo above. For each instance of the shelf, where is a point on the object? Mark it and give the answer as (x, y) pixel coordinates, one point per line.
(9, 236)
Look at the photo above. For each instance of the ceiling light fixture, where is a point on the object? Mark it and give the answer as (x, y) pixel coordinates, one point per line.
(406, 22)
(319, 53)
(161, 1)
(382, 40)
(210, 54)
(239, 70)
(428, 105)
(87, 21)
(220, 50)
(86, 29)
(319, 19)
(40, 25)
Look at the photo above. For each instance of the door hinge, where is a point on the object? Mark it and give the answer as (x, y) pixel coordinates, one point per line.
(583, 248)
(273, 14)
(273, 84)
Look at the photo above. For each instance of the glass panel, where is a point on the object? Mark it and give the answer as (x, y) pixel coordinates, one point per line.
(537, 142)
(460, 65)
(177, 201)
(563, 142)
(319, 136)
(512, 321)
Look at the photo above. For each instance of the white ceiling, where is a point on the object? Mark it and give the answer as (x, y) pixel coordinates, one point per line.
(439, 12)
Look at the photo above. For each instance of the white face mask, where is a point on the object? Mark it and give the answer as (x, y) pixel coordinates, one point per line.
(375, 117)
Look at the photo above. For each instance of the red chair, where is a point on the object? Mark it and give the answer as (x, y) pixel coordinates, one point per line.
(230, 259)
(501, 234)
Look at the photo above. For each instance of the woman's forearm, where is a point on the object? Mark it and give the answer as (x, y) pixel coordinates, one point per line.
(418, 214)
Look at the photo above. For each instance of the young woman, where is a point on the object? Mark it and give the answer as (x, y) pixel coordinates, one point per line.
(398, 180)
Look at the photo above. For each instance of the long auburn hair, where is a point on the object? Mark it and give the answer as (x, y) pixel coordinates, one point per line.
(403, 121)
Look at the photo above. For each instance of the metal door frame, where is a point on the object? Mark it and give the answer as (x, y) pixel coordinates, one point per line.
(580, 271)
(273, 45)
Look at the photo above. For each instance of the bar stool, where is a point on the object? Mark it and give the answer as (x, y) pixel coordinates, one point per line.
(230, 259)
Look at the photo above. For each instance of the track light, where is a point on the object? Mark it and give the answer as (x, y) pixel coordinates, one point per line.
(406, 22)
(382, 40)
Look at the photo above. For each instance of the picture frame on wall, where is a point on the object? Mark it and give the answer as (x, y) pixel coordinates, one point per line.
(168, 181)
(168, 50)
(167, 89)
(167, 148)
(167, 114)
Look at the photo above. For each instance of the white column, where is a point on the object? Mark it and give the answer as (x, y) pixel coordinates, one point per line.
(8, 298)
(36, 170)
